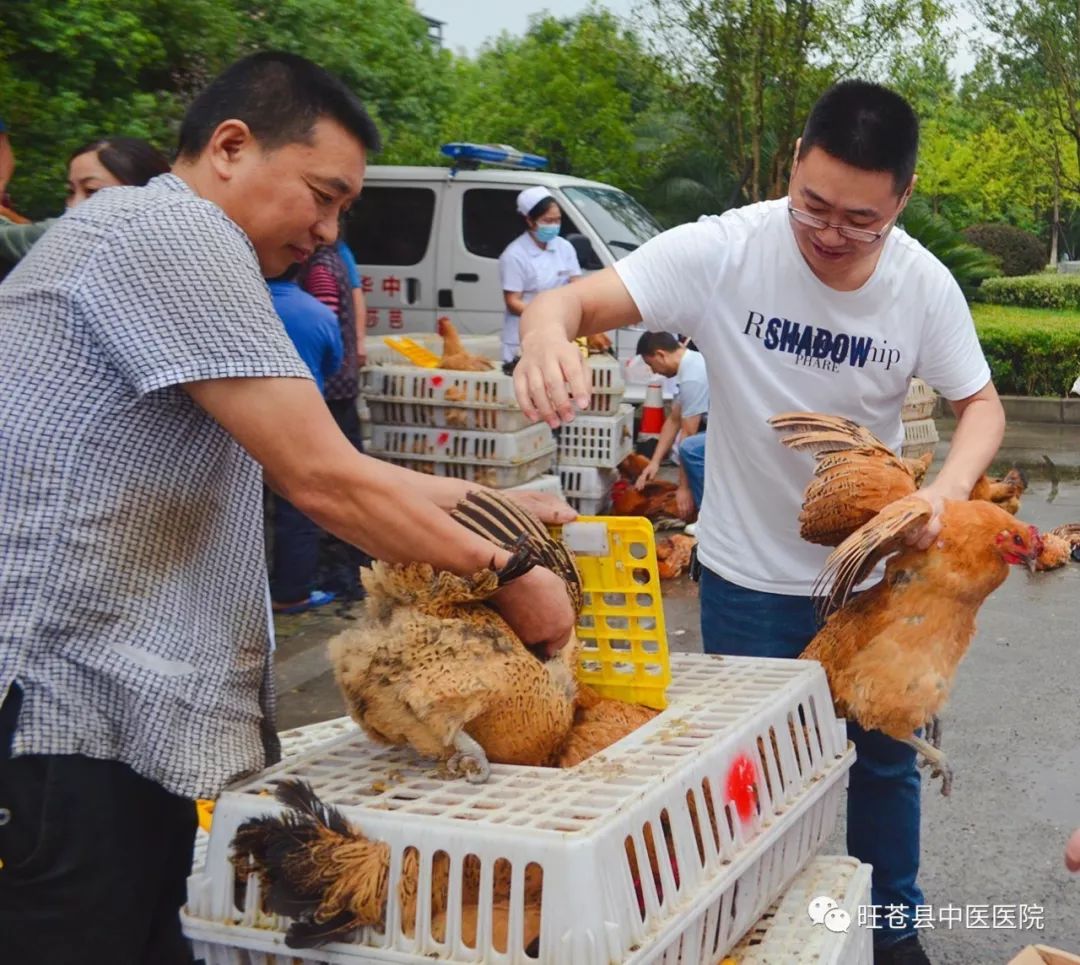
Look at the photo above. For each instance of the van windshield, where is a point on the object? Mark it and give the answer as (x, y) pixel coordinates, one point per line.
(620, 221)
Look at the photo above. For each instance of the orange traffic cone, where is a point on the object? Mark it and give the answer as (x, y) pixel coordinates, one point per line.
(652, 412)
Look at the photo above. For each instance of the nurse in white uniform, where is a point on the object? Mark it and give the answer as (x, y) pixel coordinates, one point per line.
(536, 260)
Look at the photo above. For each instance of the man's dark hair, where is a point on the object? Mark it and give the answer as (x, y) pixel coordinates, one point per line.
(867, 126)
(127, 159)
(652, 342)
(280, 97)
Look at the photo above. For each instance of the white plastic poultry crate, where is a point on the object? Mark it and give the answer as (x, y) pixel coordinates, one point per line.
(787, 933)
(607, 385)
(482, 418)
(587, 488)
(541, 484)
(919, 402)
(602, 441)
(920, 437)
(410, 383)
(737, 783)
(499, 459)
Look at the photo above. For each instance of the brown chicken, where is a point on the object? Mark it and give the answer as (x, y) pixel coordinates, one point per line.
(434, 667)
(454, 355)
(656, 500)
(891, 652)
(1060, 545)
(1005, 492)
(598, 343)
(673, 555)
(598, 723)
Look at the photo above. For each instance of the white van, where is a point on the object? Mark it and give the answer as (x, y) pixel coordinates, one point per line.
(428, 239)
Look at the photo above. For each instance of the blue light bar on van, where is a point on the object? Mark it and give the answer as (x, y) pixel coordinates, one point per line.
(497, 155)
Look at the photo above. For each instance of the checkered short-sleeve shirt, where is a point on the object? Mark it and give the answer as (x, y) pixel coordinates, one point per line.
(133, 607)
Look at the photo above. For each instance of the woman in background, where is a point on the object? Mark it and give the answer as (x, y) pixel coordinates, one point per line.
(106, 163)
(536, 260)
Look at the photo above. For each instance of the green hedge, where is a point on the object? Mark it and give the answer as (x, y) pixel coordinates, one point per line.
(1030, 352)
(1032, 291)
(1018, 251)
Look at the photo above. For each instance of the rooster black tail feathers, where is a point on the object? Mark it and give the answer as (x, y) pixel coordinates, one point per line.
(501, 520)
(301, 797)
(312, 867)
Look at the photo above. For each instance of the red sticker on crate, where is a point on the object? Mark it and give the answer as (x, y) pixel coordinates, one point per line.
(436, 380)
(442, 439)
(742, 786)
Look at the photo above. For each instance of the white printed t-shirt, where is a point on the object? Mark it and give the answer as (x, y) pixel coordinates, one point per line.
(777, 339)
(527, 268)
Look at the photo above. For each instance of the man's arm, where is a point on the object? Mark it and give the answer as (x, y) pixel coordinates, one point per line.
(668, 432)
(514, 302)
(394, 514)
(980, 427)
(549, 357)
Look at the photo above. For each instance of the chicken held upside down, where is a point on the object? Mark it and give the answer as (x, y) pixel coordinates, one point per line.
(891, 652)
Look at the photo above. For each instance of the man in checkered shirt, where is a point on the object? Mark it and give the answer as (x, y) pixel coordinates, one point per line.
(144, 377)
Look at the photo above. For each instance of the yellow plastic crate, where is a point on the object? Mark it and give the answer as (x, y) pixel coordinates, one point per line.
(624, 641)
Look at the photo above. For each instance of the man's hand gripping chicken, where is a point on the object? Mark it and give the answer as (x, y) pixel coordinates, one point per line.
(435, 667)
(891, 652)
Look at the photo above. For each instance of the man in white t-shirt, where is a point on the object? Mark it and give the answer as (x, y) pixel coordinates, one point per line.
(684, 426)
(818, 302)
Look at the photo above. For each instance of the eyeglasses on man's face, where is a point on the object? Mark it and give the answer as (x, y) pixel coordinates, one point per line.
(865, 235)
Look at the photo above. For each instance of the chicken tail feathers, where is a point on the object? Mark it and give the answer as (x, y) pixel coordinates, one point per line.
(312, 867)
(505, 523)
(301, 797)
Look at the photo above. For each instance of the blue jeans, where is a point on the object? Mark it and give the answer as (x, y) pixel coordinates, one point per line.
(692, 459)
(884, 788)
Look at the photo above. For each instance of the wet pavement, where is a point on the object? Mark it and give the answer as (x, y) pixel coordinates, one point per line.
(1012, 730)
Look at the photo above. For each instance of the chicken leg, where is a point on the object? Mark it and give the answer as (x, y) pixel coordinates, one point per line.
(470, 761)
(939, 763)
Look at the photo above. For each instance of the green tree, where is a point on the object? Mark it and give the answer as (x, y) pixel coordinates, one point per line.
(581, 91)
(76, 70)
(748, 71)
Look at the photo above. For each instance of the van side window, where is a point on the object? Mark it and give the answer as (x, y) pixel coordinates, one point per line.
(491, 221)
(391, 226)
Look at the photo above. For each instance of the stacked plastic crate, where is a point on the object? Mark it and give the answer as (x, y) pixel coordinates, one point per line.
(667, 847)
(592, 446)
(449, 423)
(920, 432)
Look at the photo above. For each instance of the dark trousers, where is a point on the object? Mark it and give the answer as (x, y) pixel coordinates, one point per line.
(296, 554)
(340, 562)
(884, 789)
(94, 858)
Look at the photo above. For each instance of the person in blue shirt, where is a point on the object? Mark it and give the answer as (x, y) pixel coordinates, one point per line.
(313, 329)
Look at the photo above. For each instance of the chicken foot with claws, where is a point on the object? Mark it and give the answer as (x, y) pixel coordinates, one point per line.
(933, 756)
(470, 761)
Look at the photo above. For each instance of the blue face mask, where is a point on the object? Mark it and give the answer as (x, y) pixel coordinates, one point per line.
(547, 232)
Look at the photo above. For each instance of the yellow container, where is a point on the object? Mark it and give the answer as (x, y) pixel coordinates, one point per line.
(413, 351)
(624, 641)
